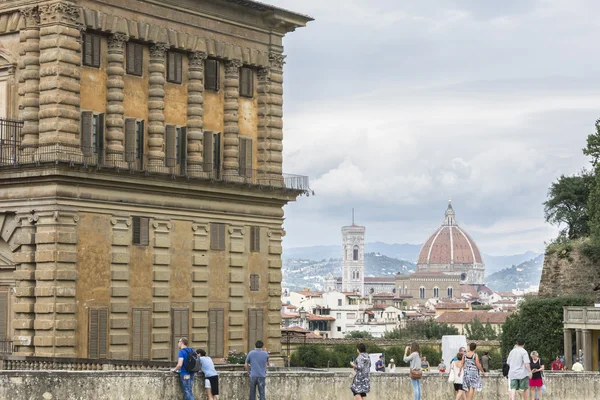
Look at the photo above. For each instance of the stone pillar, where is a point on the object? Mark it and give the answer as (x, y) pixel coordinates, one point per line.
(120, 292)
(230, 116)
(115, 136)
(56, 275)
(273, 342)
(270, 116)
(200, 247)
(60, 70)
(568, 348)
(161, 290)
(588, 354)
(578, 342)
(238, 272)
(195, 112)
(156, 105)
(24, 303)
(29, 80)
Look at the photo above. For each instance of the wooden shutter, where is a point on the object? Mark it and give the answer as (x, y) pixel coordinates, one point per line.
(183, 150)
(88, 54)
(211, 74)
(255, 326)
(254, 282)
(95, 50)
(130, 64)
(170, 66)
(246, 82)
(98, 333)
(136, 230)
(86, 132)
(140, 349)
(207, 149)
(221, 236)
(242, 156)
(130, 139)
(101, 149)
(255, 239)
(217, 236)
(142, 143)
(139, 59)
(216, 332)
(144, 231)
(179, 328)
(171, 136)
(4, 315)
(179, 67)
(248, 158)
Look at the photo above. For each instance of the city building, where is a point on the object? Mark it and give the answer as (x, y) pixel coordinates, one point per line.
(141, 170)
(353, 259)
(461, 319)
(582, 332)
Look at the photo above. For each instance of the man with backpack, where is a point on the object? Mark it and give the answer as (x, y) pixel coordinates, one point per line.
(188, 363)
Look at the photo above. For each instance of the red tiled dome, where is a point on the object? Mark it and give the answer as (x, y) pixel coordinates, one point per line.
(449, 245)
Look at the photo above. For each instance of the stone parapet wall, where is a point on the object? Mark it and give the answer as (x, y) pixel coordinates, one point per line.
(297, 385)
(571, 274)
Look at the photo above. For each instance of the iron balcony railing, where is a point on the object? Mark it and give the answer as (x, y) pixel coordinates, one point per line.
(14, 154)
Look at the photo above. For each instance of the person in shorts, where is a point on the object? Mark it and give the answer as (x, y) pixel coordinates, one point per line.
(519, 371)
(211, 378)
(457, 367)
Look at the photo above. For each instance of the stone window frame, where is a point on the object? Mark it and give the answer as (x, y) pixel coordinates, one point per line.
(174, 73)
(208, 83)
(8, 69)
(96, 134)
(136, 69)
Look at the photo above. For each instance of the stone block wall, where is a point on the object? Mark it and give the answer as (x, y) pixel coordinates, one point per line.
(300, 385)
(570, 275)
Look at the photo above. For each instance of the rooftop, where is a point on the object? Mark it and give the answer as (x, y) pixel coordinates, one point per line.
(468, 317)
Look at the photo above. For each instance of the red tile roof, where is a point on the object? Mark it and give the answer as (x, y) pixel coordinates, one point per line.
(452, 306)
(469, 316)
(384, 295)
(289, 315)
(313, 317)
(295, 329)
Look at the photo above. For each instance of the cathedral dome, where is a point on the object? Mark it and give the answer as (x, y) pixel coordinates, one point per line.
(451, 250)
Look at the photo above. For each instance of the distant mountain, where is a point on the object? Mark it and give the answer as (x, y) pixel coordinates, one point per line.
(405, 251)
(302, 273)
(521, 276)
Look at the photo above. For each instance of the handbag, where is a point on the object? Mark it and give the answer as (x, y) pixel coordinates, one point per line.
(416, 374)
(451, 376)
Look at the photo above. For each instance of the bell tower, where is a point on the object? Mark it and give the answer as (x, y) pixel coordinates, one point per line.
(353, 259)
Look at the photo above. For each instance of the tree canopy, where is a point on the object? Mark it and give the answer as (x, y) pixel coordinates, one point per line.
(358, 335)
(567, 204)
(477, 331)
(422, 330)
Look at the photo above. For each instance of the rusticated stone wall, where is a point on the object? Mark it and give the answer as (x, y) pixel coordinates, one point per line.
(569, 274)
(301, 385)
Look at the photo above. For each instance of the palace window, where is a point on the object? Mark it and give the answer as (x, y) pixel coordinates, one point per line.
(175, 146)
(255, 239)
(91, 50)
(436, 292)
(92, 134)
(421, 292)
(98, 333)
(246, 82)
(141, 231)
(174, 67)
(245, 158)
(211, 75)
(141, 333)
(450, 290)
(212, 151)
(216, 332)
(254, 282)
(355, 253)
(217, 236)
(135, 58)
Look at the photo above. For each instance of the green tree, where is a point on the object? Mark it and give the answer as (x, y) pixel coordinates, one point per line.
(475, 330)
(490, 332)
(310, 356)
(429, 329)
(539, 322)
(358, 335)
(593, 145)
(567, 204)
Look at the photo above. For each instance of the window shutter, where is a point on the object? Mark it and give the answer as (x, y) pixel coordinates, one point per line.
(170, 66)
(130, 58)
(130, 139)
(101, 149)
(136, 348)
(221, 236)
(93, 334)
(183, 150)
(144, 231)
(217, 236)
(259, 324)
(142, 142)
(251, 328)
(207, 149)
(139, 59)
(248, 158)
(171, 136)
(96, 50)
(212, 333)
(246, 82)
(88, 54)
(102, 333)
(211, 75)
(179, 68)
(242, 156)
(180, 327)
(3, 315)
(146, 334)
(86, 133)
(255, 239)
(220, 332)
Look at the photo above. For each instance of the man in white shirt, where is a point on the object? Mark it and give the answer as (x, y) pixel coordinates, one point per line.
(519, 371)
(577, 367)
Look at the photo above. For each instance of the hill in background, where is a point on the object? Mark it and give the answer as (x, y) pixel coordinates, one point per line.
(522, 276)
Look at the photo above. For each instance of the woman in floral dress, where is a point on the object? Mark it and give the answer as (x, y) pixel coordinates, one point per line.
(361, 385)
(471, 372)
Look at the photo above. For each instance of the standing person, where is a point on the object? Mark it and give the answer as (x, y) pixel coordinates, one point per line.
(425, 364)
(457, 366)
(186, 379)
(557, 365)
(392, 366)
(485, 361)
(257, 361)
(462, 351)
(380, 364)
(361, 385)
(536, 382)
(415, 365)
(577, 366)
(519, 371)
(211, 378)
(472, 372)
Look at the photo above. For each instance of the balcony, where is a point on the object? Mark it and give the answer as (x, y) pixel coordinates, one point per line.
(14, 155)
(582, 315)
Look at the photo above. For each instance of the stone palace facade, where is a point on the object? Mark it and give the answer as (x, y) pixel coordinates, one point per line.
(141, 170)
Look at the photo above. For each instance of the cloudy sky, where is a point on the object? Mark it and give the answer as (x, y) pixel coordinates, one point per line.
(394, 107)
